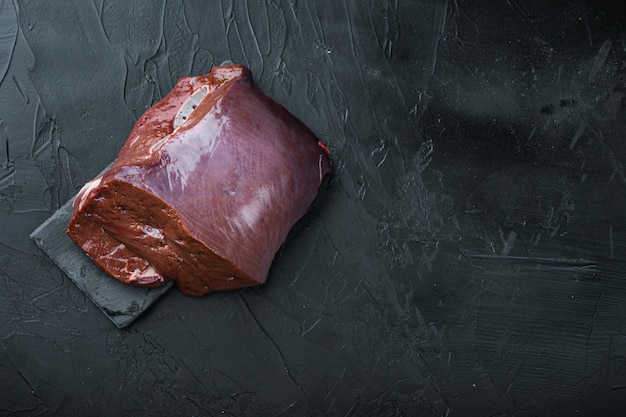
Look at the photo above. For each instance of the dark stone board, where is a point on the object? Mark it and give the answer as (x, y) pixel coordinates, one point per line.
(121, 303)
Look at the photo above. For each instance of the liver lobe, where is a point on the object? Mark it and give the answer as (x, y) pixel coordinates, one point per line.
(208, 203)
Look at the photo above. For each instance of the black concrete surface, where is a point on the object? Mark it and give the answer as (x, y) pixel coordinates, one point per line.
(467, 257)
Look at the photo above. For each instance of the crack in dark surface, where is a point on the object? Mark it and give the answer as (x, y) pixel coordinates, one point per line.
(273, 342)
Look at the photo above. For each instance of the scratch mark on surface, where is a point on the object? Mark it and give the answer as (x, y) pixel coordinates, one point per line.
(390, 30)
(618, 171)
(232, 28)
(339, 101)
(304, 330)
(440, 18)
(272, 341)
(102, 29)
(508, 244)
(306, 261)
(526, 20)
(277, 24)
(285, 77)
(578, 134)
(383, 159)
(8, 35)
(294, 14)
(21, 91)
(98, 7)
(599, 60)
(317, 25)
(226, 28)
(7, 164)
(46, 152)
(255, 38)
(369, 292)
(592, 323)
(581, 262)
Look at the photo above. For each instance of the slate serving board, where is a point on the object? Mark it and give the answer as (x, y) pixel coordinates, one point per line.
(121, 303)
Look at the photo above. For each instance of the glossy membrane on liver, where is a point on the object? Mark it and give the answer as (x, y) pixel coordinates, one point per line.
(207, 203)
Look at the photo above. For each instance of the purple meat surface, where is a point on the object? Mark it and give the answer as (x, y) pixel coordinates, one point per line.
(205, 189)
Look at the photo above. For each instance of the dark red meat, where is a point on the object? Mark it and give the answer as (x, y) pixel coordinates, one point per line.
(204, 197)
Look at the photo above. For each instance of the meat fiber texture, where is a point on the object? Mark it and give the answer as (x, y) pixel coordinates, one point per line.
(205, 189)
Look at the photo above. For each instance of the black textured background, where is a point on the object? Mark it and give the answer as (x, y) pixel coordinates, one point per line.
(467, 257)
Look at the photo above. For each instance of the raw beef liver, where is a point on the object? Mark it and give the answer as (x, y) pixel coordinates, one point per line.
(205, 190)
